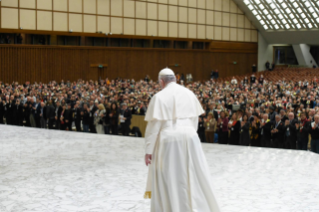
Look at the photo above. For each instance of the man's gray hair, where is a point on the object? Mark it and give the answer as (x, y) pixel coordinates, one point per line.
(167, 78)
(278, 116)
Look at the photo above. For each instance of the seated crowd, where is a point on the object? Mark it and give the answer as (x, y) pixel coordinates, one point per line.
(248, 111)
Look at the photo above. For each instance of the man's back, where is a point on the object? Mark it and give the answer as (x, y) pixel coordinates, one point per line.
(173, 102)
(178, 178)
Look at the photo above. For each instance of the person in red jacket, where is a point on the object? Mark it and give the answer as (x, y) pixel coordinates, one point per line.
(222, 128)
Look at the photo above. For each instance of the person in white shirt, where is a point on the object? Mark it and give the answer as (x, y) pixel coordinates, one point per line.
(178, 178)
(234, 81)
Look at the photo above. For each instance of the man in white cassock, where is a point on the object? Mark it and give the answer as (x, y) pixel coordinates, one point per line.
(178, 177)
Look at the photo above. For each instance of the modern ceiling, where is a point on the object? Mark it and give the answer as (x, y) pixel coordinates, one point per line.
(284, 21)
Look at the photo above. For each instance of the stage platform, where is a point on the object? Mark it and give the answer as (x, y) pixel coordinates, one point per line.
(55, 171)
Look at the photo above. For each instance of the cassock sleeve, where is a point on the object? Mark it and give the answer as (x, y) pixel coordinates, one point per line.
(151, 133)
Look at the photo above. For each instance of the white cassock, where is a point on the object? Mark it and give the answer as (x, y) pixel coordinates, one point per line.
(178, 179)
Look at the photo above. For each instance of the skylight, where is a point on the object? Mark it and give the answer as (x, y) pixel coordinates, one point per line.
(290, 14)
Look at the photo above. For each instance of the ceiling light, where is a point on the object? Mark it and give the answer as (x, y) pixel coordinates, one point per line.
(251, 7)
(317, 20)
(295, 4)
(284, 21)
(277, 11)
(284, 5)
(262, 22)
(258, 17)
(265, 12)
(246, 2)
(287, 26)
(257, 1)
(273, 21)
(299, 10)
(269, 17)
(291, 15)
(307, 20)
(303, 15)
(295, 21)
(311, 10)
(255, 12)
(265, 27)
(273, 6)
(298, 26)
(276, 26)
(315, 15)
(288, 10)
(307, 4)
(310, 25)
(261, 7)
(280, 16)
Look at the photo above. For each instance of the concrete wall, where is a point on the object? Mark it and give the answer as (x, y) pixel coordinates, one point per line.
(302, 52)
(265, 52)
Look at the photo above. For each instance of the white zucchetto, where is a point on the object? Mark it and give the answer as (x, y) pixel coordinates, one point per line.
(166, 71)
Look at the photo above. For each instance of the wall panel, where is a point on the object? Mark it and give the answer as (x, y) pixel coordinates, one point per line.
(116, 25)
(60, 5)
(27, 4)
(129, 26)
(9, 18)
(44, 20)
(103, 24)
(9, 3)
(89, 23)
(75, 6)
(152, 28)
(27, 19)
(151, 11)
(75, 22)
(140, 9)
(89, 6)
(40, 63)
(129, 8)
(103, 7)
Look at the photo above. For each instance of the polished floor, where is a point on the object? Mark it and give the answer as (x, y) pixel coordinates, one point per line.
(54, 171)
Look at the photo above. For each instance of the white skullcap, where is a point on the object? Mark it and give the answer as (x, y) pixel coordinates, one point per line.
(166, 71)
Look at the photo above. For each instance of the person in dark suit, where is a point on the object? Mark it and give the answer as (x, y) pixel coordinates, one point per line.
(63, 124)
(85, 116)
(291, 132)
(114, 118)
(141, 109)
(14, 111)
(26, 115)
(265, 131)
(50, 114)
(278, 133)
(57, 113)
(41, 116)
(314, 132)
(234, 127)
(252, 79)
(93, 108)
(267, 65)
(77, 116)
(18, 113)
(201, 128)
(10, 110)
(302, 129)
(1, 110)
(125, 119)
(68, 117)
